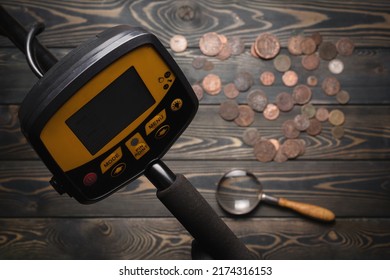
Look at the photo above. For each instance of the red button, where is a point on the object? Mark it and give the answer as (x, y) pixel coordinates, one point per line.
(90, 179)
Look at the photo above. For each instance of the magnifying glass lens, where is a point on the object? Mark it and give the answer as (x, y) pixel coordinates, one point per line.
(238, 192)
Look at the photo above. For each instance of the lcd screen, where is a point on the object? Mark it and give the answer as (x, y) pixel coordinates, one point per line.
(111, 111)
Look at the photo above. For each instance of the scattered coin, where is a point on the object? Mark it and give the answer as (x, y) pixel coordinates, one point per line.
(331, 86)
(228, 110)
(284, 101)
(327, 51)
(225, 52)
(257, 100)
(198, 62)
(271, 112)
(317, 37)
(267, 45)
(301, 94)
(280, 156)
(178, 43)
(253, 51)
(198, 91)
(308, 45)
(345, 46)
(294, 44)
(314, 128)
(338, 132)
(302, 146)
(308, 110)
(230, 90)
(322, 114)
(237, 45)
(336, 117)
(312, 81)
(210, 44)
(212, 84)
(246, 116)
(291, 148)
(342, 97)
(267, 78)
(290, 78)
(208, 65)
(310, 62)
(282, 63)
(275, 142)
(243, 81)
(336, 66)
(264, 151)
(223, 39)
(301, 122)
(251, 136)
(289, 129)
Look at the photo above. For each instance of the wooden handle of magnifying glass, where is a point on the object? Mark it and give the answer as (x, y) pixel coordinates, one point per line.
(309, 210)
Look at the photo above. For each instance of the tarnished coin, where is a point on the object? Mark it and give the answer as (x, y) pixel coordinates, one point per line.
(308, 110)
(302, 146)
(342, 97)
(264, 151)
(210, 44)
(291, 148)
(253, 51)
(271, 112)
(290, 78)
(331, 86)
(267, 78)
(314, 128)
(230, 90)
(301, 94)
(284, 101)
(212, 84)
(322, 114)
(301, 122)
(317, 37)
(289, 130)
(311, 62)
(257, 100)
(336, 117)
(237, 45)
(267, 45)
(208, 65)
(225, 52)
(338, 132)
(243, 81)
(294, 44)
(246, 116)
(345, 46)
(228, 110)
(308, 45)
(251, 136)
(336, 66)
(198, 91)
(280, 156)
(327, 51)
(178, 43)
(282, 63)
(198, 62)
(312, 81)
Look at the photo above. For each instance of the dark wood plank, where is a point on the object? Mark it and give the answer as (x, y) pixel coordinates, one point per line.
(166, 239)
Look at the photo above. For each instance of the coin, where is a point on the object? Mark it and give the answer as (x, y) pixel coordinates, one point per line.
(310, 62)
(178, 43)
(264, 151)
(294, 44)
(312, 81)
(308, 45)
(257, 100)
(336, 66)
(338, 132)
(208, 65)
(282, 63)
(225, 52)
(327, 51)
(237, 45)
(198, 91)
(308, 110)
(246, 116)
(267, 45)
(284, 101)
(301, 122)
(251, 136)
(223, 39)
(228, 110)
(322, 114)
(336, 117)
(314, 128)
(212, 84)
(267, 78)
(302, 146)
(280, 156)
(253, 51)
(331, 86)
(290, 78)
(342, 97)
(301, 94)
(198, 62)
(210, 44)
(345, 46)
(243, 81)
(291, 148)
(276, 143)
(317, 37)
(230, 90)
(271, 112)
(289, 129)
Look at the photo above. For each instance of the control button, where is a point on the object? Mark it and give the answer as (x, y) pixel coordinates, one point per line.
(118, 170)
(162, 131)
(140, 149)
(155, 122)
(167, 74)
(90, 179)
(109, 161)
(166, 86)
(176, 104)
(161, 80)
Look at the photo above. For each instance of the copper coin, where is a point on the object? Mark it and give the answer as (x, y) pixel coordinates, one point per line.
(178, 43)
(282, 63)
(317, 37)
(228, 110)
(322, 114)
(267, 45)
(237, 45)
(312, 81)
(264, 151)
(345, 46)
(314, 128)
(257, 100)
(290, 78)
(198, 91)
(253, 51)
(308, 110)
(294, 44)
(251, 136)
(198, 62)
(342, 97)
(246, 116)
(212, 84)
(280, 156)
(208, 65)
(291, 148)
(230, 90)
(267, 78)
(308, 45)
(310, 62)
(225, 53)
(271, 112)
(301, 94)
(223, 39)
(243, 81)
(289, 129)
(336, 66)
(284, 101)
(331, 86)
(275, 142)
(302, 146)
(338, 132)
(327, 51)
(210, 44)
(336, 117)
(301, 122)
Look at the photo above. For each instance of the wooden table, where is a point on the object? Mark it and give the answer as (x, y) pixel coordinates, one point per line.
(349, 176)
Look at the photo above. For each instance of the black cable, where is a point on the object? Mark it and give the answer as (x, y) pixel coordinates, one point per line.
(37, 28)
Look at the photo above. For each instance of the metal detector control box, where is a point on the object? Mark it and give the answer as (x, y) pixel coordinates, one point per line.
(111, 107)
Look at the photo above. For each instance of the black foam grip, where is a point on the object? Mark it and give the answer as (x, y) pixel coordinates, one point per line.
(197, 216)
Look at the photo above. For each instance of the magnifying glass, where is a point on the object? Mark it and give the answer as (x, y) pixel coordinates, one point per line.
(240, 192)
